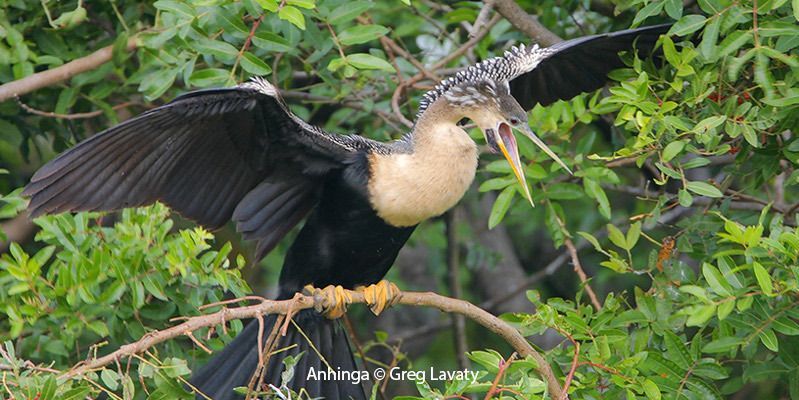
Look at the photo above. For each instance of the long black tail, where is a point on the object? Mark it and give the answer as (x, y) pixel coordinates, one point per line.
(235, 365)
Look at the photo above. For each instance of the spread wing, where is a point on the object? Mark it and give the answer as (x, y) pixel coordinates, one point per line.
(210, 155)
(569, 68)
(560, 72)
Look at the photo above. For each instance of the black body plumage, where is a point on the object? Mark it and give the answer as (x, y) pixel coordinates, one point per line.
(240, 154)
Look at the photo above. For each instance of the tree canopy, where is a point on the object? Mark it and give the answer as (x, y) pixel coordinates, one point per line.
(666, 267)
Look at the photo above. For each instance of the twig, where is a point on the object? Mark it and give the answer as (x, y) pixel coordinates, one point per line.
(573, 368)
(525, 22)
(52, 76)
(301, 302)
(578, 268)
(198, 343)
(503, 367)
(441, 63)
(85, 115)
(390, 118)
(453, 269)
(482, 17)
(246, 46)
(359, 348)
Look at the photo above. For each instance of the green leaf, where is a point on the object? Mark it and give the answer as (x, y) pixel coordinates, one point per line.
(676, 350)
(349, 12)
(270, 41)
(704, 189)
(709, 123)
(70, 19)
(177, 7)
(763, 279)
(633, 234)
(209, 77)
(616, 237)
(591, 239)
(710, 37)
(725, 309)
(685, 199)
(595, 191)
(795, 6)
(336, 63)
(750, 135)
(156, 83)
(307, 4)
(688, 24)
(361, 34)
(715, 280)
(293, 15)
(76, 393)
(762, 75)
(674, 8)
(649, 10)
(615, 264)
(368, 61)
(733, 42)
(769, 339)
(268, 5)
(500, 207)
(564, 191)
(110, 378)
(699, 315)
(722, 345)
(216, 48)
(672, 150)
(254, 65)
(786, 326)
(49, 388)
(652, 390)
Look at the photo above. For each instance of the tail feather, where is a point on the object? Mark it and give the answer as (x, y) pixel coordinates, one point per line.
(235, 365)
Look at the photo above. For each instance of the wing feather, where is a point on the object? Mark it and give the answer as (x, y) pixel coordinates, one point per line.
(204, 154)
(545, 75)
(566, 69)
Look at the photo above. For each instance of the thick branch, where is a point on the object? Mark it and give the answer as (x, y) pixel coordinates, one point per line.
(59, 74)
(301, 302)
(525, 22)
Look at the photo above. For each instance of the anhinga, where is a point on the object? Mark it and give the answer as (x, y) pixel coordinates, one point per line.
(239, 153)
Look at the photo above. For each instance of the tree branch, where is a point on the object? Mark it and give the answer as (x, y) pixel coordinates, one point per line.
(525, 22)
(301, 302)
(55, 75)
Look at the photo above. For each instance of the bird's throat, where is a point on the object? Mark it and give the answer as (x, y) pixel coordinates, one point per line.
(405, 189)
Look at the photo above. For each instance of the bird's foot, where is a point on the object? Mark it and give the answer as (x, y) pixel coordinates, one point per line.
(332, 301)
(380, 296)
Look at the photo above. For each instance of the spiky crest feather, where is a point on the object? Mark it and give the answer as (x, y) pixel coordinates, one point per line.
(515, 61)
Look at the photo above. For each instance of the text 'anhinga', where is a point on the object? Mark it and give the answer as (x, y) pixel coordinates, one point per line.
(239, 153)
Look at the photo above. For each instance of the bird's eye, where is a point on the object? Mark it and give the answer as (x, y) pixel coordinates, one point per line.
(514, 121)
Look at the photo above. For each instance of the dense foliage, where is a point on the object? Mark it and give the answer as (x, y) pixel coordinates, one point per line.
(682, 206)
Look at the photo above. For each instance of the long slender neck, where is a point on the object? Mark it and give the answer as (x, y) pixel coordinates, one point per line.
(406, 188)
(440, 116)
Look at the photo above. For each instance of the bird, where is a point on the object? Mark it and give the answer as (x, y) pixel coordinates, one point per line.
(240, 154)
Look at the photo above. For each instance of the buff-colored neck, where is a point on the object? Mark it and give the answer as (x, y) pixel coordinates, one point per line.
(407, 188)
(434, 124)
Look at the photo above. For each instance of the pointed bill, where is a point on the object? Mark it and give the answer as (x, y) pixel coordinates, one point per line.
(543, 146)
(507, 144)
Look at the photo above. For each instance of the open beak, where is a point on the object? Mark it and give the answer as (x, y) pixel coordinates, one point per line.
(507, 145)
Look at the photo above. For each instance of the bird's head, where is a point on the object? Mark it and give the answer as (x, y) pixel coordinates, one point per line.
(497, 113)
